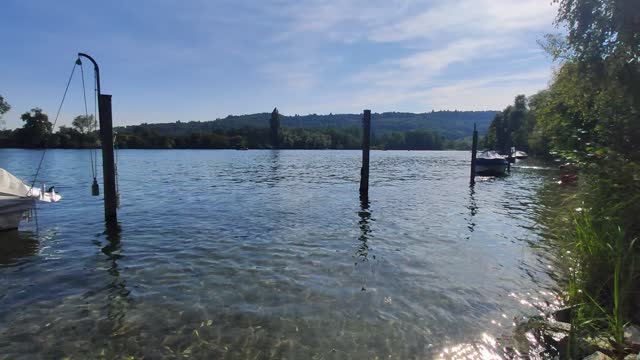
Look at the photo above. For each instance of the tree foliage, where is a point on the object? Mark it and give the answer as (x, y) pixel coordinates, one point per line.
(511, 127)
(84, 123)
(274, 124)
(4, 108)
(598, 30)
(36, 128)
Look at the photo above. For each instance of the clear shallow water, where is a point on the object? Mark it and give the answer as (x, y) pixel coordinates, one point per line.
(265, 254)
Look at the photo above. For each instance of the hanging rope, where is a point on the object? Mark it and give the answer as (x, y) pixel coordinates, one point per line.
(35, 177)
(115, 167)
(94, 163)
(95, 116)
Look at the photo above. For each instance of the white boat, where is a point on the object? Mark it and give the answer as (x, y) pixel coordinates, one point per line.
(491, 163)
(520, 155)
(16, 198)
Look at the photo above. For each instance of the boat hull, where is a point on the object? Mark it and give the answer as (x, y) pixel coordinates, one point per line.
(491, 167)
(12, 210)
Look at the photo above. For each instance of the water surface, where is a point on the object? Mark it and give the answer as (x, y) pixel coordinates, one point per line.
(271, 254)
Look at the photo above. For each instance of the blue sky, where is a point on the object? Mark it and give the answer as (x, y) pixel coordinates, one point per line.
(166, 60)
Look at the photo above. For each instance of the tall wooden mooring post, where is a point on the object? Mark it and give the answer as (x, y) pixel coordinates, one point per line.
(366, 145)
(108, 160)
(474, 150)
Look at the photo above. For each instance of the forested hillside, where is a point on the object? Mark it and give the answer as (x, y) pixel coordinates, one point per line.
(449, 124)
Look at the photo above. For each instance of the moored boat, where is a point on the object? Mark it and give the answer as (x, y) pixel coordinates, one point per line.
(491, 163)
(520, 155)
(16, 198)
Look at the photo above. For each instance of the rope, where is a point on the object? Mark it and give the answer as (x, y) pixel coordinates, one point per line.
(95, 117)
(86, 112)
(115, 163)
(35, 177)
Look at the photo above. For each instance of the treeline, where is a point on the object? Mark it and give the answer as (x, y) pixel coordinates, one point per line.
(449, 124)
(289, 138)
(37, 133)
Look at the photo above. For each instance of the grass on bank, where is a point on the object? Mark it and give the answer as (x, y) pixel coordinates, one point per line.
(601, 244)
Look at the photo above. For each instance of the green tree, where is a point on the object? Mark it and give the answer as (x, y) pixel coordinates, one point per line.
(36, 128)
(274, 123)
(84, 123)
(4, 108)
(510, 127)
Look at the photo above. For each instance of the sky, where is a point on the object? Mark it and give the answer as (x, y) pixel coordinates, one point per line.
(165, 60)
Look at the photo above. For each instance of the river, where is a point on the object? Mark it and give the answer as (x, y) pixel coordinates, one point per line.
(270, 254)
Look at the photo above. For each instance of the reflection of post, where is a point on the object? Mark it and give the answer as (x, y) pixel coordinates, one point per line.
(365, 233)
(275, 166)
(473, 208)
(365, 229)
(118, 294)
(364, 172)
(474, 149)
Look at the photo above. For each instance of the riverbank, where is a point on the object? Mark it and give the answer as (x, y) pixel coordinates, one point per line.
(594, 225)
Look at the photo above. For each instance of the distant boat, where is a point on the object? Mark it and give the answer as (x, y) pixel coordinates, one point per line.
(16, 198)
(491, 163)
(520, 155)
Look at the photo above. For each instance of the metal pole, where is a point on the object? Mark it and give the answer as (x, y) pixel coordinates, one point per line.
(474, 150)
(106, 138)
(95, 67)
(366, 144)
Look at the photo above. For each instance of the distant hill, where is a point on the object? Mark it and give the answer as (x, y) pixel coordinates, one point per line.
(449, 124)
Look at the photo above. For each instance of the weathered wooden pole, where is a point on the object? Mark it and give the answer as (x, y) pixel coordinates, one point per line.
(108, 163)
(366, 145)
(474, 150)
(106, 138)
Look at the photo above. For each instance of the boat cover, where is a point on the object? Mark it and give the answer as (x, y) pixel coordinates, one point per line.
(490, 154)
(11, 185)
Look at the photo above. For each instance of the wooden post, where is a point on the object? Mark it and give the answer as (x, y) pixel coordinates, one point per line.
(366, 144)
(106, 138)
(108, 163)
(474, 149)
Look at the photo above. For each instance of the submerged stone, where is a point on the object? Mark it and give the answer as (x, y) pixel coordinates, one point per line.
(597, 356)
(632, 336)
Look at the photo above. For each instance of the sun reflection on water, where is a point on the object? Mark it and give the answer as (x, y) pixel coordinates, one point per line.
(514, 342)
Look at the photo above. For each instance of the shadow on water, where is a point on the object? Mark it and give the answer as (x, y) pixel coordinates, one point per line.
(473, 208)
(364, 223)
(16, 245)
(365, 229)
(118, 294)
(274, 167)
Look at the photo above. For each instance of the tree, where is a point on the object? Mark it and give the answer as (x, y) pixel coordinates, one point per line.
(603, 40)
(589, 115)
(274, 123)
(511, 127)
(84, 123)
(36, 128)
(4, 107)
(594, 100)
(599, 30)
